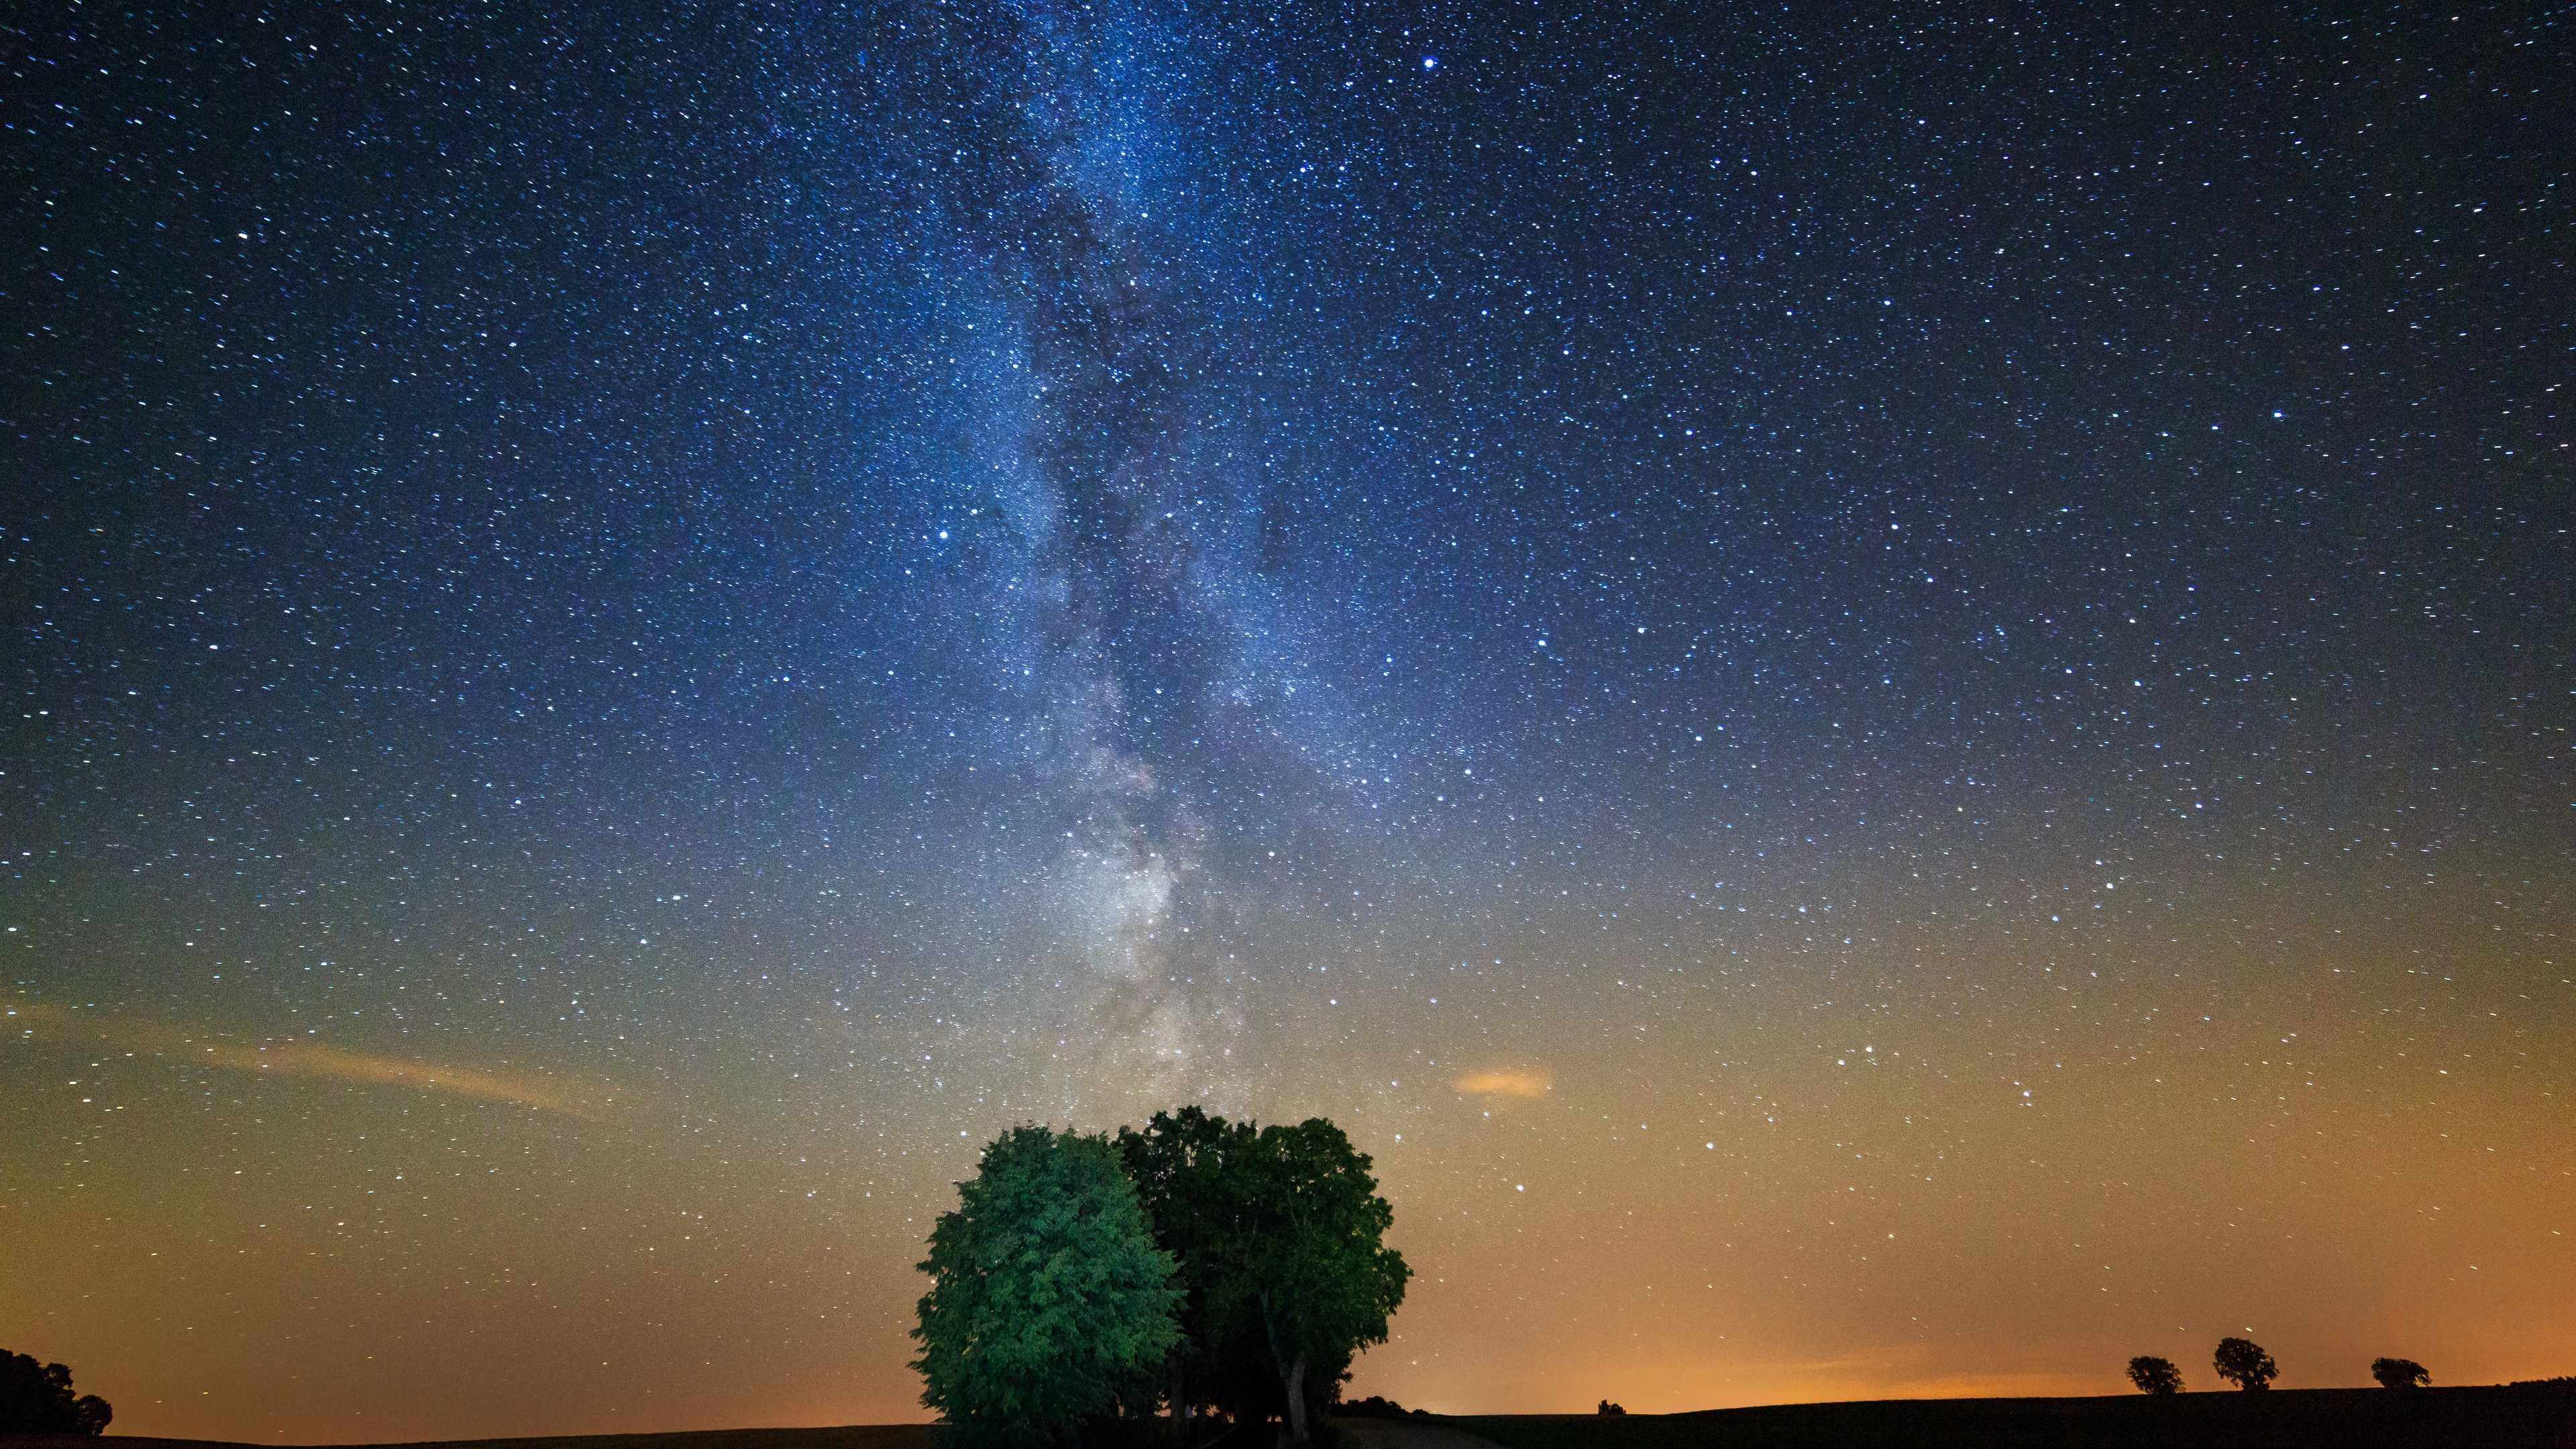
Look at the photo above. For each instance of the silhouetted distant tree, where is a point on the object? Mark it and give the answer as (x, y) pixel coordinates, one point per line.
(2399, 1373)
(2242, 1362)
(2155, 1375)
(36, 1398)
(1608, 1407)
(1049, 1304)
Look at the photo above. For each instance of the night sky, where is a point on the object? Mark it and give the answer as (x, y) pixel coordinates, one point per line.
(1881, 694)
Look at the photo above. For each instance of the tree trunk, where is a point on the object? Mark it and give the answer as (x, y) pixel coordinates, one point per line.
(1180, 1407)
(1297, 1404)
(1292, 1375)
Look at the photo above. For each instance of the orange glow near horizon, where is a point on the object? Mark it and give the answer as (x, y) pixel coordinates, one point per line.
(1718, 1202)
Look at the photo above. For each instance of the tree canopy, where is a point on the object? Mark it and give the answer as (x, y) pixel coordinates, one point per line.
(1049, 1304)
(1188, 1170)
(2242, 1362)
(36, 1398)
(1280, 1236)
(2155, 1375)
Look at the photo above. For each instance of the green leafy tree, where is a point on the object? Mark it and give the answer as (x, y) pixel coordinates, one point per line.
(1314, 1274)
(1049, 1306)
(2399, 1373)
(36, 1398)
(2242, 1362)
(1280, 1236)
(2155, 1375)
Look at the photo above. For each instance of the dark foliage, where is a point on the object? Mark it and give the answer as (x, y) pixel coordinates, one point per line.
(1608, 1407)
(2155, 1375)
(2242, 1362)
(1279, 1236)
(1187, 1169)
(1374, 1407)
(37, 1399)
(2399, 1373)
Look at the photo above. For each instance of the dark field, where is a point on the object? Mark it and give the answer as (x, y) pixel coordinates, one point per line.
(857, 1436)
(2531, 1417)
(2474, 1418)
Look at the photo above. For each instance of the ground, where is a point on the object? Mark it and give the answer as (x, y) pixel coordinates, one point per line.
(2539, 1416)
(1392, 1434)
(2534, 1417)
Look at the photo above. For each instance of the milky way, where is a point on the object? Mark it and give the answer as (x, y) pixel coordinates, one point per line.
(1882, 699)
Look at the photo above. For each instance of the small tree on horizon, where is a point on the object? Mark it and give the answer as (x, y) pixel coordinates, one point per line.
(2242, 1362)
(2155, 1375)
(1049, 1306)
(2399, 1373)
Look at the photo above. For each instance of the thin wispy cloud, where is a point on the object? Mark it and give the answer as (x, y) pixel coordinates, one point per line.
(287, 1058)
(1504, 1084)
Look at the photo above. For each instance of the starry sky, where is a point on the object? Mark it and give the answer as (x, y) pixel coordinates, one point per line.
(1880, 693)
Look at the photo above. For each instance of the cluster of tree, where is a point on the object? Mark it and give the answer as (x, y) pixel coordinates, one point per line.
(1197, 1264)
(1608, 1407)
(2242, 1362)
(36, 1398)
